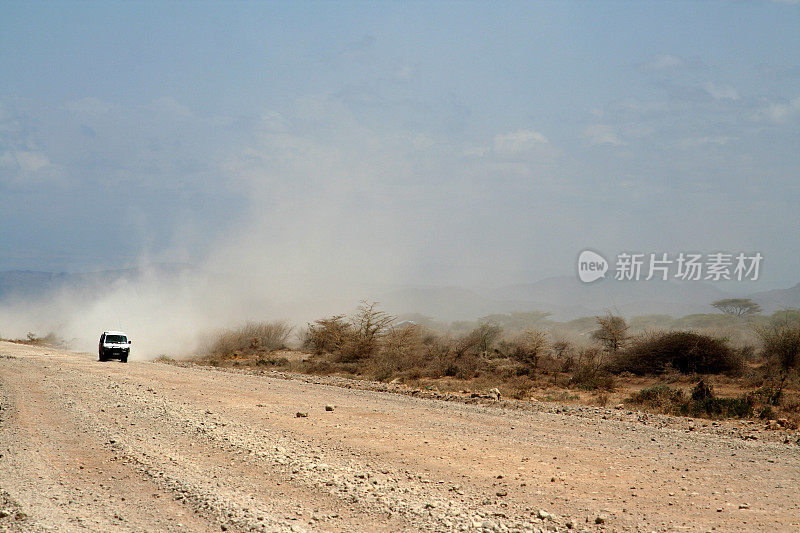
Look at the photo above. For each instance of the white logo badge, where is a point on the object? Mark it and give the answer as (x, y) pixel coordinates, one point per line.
(591, 266)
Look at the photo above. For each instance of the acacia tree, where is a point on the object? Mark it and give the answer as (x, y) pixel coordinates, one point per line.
(737, 306)
(612, 332)
(369, 326)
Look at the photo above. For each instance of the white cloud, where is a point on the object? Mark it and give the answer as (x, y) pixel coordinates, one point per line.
(518, 142)
(29, 166)
(404, 73)
(602, 134)
(721, 92)
(477, 151)
(664, 62)
(692, 142)
(170, 107)
(421, 141)
(778, 113)
(31, 161)
(90, 105)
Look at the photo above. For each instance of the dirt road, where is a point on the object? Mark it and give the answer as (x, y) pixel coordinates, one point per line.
(154, 447)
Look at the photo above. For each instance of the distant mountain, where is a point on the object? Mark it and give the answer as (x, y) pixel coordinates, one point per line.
(778, 299)
(450, 303)
(30, 284)
(565, 297)
(629, 298)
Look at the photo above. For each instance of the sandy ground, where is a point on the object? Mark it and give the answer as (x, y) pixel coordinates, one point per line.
(147, 446)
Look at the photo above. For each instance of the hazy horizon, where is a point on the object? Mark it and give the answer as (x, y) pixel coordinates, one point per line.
(299, 149)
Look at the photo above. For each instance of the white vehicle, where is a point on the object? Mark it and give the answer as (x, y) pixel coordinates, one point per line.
(114, 345)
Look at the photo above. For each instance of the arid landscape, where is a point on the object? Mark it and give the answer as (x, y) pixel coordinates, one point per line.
(484, 267)
(153, 446)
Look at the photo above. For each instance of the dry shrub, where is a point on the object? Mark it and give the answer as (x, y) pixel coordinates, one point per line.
(519, 387)
(463, 357)
(438, 356)
(528, 348)
(659, 397)
(248, 339)
(701, 403)
(591, 372)
(479, 340)
(350, 340)
(401, 349)
(612, 332)
(780, 341)
(51, 339)
(327, 335)
(368, 325)
(685, 351)
(601, 399)
(564, 352)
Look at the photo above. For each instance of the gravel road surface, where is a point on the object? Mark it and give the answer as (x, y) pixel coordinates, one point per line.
(147, 446)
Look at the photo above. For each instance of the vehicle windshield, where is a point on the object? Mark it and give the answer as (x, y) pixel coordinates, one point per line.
(116, 339)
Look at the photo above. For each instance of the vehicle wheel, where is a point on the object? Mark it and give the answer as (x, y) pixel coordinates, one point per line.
(124, 358)
(102, 358)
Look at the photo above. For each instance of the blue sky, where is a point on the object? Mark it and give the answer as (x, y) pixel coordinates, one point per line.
(430, 143)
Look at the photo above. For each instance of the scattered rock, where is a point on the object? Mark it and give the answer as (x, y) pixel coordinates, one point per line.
(329, 407)
(301, 414)
(600, 519)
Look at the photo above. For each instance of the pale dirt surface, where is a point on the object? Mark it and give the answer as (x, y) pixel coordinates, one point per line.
(145, 446)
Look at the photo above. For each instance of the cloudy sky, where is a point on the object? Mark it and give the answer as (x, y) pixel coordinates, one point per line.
(411, 142)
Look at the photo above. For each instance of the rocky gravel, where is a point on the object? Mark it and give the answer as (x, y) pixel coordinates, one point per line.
(154, 447)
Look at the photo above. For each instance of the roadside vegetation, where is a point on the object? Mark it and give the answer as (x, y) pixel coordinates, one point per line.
(33, 339)
(717, 365)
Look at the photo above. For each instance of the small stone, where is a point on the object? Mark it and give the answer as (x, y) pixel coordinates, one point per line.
(300, 414)
(744, 506)
(502, 493)
(570, 524)
(600, 519)
(4, 513)
(329, 407)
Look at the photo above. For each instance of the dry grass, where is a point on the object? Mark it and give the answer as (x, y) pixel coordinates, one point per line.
(655, 370)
